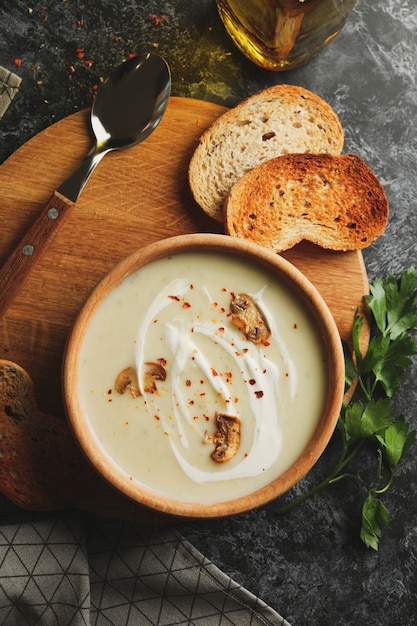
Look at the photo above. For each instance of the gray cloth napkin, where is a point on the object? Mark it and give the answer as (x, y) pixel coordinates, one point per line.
(75, 570)
(9, 86)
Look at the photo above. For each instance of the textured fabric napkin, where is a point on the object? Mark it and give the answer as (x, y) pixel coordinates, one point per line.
(73, 569)
(9, 86)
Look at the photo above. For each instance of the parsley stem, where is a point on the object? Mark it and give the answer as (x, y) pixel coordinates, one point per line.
(333, 477)
(387, 486)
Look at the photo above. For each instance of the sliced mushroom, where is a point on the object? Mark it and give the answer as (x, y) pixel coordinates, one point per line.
(155, 372)
(128, 380)
(248, 317)
(227, 438)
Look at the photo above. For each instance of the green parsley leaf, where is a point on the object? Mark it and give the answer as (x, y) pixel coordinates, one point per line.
(374, 518)
(396, 441)
(394, 303)
(364, 421)
(387, 359)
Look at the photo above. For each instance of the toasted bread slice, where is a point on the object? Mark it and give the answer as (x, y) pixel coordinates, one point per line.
(275, 121)
(42, 468)
(336, 202)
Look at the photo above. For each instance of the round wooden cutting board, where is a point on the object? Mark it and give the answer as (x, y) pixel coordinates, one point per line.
(134, 197)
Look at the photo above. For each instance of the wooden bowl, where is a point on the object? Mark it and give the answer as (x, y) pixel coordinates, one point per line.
(284, 410)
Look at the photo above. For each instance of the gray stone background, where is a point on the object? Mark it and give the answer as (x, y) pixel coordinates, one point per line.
(309, 564)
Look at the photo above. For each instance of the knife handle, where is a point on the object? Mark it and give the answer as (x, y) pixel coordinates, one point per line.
(30, 249)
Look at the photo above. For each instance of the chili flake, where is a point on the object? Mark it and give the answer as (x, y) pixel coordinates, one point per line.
(158, 19)
(259, 394)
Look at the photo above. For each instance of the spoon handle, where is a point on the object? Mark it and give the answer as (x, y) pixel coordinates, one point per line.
(31, 247)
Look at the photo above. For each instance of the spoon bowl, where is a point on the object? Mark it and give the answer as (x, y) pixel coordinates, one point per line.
(128, 107)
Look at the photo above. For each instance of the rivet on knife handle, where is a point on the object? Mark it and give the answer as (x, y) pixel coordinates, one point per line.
(31, 247)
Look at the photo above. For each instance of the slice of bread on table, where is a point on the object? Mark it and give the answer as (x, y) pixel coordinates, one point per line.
(42, 467)
(275, 121)
(334, 201)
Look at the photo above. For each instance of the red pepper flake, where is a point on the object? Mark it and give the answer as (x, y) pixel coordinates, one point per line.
(158, 19)
(88, 63)
(259, 394)
(295, 326)
(174, 298)
(186, 305)
(191, 286)
(252, 381)
(221, 329)
(157, 417)
(206, 417)
(188, 382)
(131, 55)
(110, 391)
(18, 62)
(213, 371)
(266, 343)
(162, 361)
(195, 417)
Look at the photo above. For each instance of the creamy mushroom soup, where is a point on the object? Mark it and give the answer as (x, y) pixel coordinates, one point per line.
(191, 398)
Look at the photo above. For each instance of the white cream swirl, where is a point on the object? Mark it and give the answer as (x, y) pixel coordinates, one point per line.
(191, 338)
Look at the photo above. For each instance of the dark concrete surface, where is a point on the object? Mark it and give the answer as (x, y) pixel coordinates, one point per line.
(309, 564)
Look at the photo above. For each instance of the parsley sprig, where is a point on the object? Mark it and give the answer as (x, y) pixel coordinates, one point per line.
(367, 424)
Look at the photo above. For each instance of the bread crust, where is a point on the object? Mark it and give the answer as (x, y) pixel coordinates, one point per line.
(336, 202)
(277, 120)
(42, 467)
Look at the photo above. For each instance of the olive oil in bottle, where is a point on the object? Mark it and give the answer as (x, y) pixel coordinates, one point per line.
(283, 34)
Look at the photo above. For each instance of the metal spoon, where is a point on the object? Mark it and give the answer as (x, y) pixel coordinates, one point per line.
(128, 107)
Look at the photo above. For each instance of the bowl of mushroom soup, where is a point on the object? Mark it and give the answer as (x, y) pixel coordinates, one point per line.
(203, 376)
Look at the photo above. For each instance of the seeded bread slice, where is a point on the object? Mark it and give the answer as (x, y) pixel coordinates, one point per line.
(275, 121)
(336, 202)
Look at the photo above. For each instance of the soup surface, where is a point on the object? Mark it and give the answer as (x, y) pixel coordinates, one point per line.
(170, 330)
